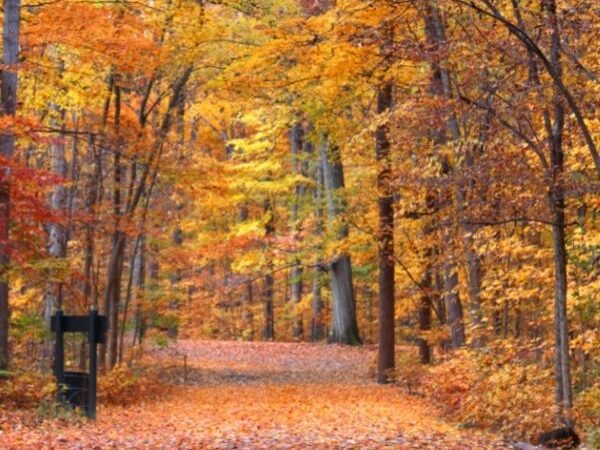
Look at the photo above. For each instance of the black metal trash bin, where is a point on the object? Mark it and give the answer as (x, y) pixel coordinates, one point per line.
(76, 389)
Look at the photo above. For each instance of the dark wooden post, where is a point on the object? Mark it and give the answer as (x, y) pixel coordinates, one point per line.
(92, 340)
(95, 327)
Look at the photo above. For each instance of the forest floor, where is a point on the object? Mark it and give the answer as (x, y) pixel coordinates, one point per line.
(257, 396)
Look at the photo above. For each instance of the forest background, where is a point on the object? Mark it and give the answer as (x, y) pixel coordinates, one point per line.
(421, 173)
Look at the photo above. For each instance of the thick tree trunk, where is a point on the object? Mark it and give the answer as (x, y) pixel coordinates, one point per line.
(344, 329)
(385, 243)
(8, 99)
(344, 325)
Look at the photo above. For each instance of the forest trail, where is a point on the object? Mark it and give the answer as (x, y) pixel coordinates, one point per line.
(261, 396)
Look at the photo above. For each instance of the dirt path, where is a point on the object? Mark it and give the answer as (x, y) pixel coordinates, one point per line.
(261, 396)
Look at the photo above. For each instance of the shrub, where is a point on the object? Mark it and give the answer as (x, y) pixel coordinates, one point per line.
(124, 385)
(27, 388)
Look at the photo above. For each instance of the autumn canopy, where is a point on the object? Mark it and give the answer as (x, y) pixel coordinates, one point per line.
(416, 180)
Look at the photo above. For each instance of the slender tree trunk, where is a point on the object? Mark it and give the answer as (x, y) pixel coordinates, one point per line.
(269, 281)
(90, 205)
(248, 295)
(248, 317)
(57, 238)
(176, 278)
(427, 282)
(113, 295)
(441, 86)
(57, 235)
(425, 316)
(453, 304)
(344, 329)
(115, 265)
(128, 295)
(317, 324)
(317, 327)
(8, 100)
(474, 286)
(139, 282)
(385, 243)
(297, 141)
(564, 390)
(318, 330)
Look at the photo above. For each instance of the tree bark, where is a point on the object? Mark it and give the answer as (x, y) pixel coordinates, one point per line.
(57, 236)
(425, 316)
(564, 390)
(8, 100)
(453, 304)
(440, 86)
(112, 298)
(139, 283)
(129, 294)
(90, 204)
(297, 141)
(385, 242)
(318, 331)
(269, 281)
(344, 329)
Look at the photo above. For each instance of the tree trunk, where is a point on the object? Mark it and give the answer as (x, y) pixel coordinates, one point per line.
(269, 281)
(248, 295)
(112, 297)
(8, 99)
(385, 243)
(57, 235)
(317, 327)
(139, 282)
(344, 325)
(564, 390)
(440, 86)
(425, 316)
(248, 316)
(453, 304)
(297, 141)
(90, 204)
(128, 295)
(176, 278)
(57, 238)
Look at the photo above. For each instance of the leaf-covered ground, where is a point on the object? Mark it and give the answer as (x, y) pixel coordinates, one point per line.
(251, 395)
